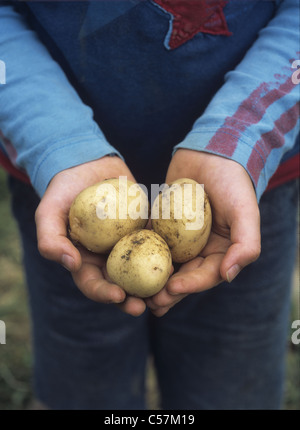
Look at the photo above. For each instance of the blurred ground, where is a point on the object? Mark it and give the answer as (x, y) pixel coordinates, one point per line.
(15, 356)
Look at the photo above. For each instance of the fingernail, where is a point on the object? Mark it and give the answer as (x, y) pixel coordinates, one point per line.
(118, 300)
(175, 288)
(233, 272)
(68, 262)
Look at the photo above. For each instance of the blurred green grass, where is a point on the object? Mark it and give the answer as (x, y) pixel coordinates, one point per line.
(16, 356)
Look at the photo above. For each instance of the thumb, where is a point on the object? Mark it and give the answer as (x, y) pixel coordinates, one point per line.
(53, 244)
(246, 244)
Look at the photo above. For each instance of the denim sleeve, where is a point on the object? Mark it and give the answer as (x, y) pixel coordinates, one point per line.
(254, 118)
(42, 115)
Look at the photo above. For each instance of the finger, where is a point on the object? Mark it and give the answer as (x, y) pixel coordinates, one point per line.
(92, 284)
(203, 277)
(163, 299)
(193, 264)
(53, 244)
(133, 306)
(246, 245)
(160, 312)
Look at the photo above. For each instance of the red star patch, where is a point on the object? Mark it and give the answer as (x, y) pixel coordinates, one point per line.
(193, 16)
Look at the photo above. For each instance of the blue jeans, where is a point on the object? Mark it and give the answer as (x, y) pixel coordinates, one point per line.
(220, 349)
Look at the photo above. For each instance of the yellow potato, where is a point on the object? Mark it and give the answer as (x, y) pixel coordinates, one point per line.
(105, 212)
(140, 263)
(182, 216)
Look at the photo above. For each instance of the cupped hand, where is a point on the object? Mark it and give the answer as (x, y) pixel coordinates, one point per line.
(88, 269)
(235, 237)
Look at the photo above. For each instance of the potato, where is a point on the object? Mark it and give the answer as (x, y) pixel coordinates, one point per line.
(140, 263)
(105, 212)
(182, 216)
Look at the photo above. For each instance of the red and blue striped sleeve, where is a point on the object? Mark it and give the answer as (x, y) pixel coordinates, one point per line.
(254, 118)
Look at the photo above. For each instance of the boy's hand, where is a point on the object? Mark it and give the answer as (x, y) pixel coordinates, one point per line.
(88, 269)
(235, 238)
